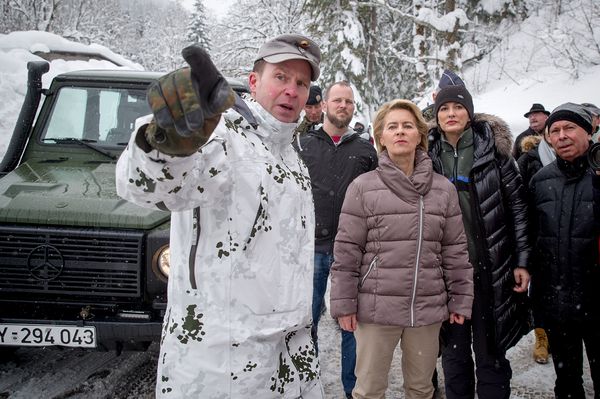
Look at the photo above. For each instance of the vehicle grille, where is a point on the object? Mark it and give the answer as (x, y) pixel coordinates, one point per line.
(95, 263)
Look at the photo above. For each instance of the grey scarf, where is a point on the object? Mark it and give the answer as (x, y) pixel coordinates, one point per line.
(546, 153)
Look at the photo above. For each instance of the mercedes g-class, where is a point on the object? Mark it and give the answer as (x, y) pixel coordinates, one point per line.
(79, 266)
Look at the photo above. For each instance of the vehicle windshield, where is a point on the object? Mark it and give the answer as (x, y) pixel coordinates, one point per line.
(105, 116)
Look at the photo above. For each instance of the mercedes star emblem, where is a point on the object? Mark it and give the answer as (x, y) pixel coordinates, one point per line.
(45, 263)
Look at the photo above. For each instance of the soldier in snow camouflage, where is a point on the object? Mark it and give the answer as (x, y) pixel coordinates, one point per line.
(242, 225)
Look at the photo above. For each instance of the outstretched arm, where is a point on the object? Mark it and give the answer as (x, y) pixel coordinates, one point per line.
(162, 155)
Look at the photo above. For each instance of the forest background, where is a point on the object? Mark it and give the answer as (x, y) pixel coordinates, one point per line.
(386, 48)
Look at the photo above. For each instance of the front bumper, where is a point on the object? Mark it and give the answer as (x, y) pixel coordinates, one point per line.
(110, 334)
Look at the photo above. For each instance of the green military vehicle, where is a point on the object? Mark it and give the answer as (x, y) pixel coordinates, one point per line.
(79, 266)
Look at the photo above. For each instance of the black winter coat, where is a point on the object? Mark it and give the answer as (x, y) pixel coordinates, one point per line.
(332, 168)
(564, 264)
(500, 208)
(529, 164)
(517, 152)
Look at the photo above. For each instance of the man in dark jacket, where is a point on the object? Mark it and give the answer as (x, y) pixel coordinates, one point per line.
(334, 155)
(537, 153)
(595, 111)
(537, 116)
(565, 269)
(473, 151)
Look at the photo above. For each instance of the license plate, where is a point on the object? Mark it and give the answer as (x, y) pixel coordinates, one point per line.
(47, 335)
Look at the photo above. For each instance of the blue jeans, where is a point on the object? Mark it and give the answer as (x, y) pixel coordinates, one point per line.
(323, 263)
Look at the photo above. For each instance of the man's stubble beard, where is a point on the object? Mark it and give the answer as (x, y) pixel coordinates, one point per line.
(338, 122)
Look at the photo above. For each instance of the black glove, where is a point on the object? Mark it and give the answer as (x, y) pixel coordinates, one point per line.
(187, 104)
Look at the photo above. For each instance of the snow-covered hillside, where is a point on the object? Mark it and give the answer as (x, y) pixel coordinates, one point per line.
(550, 60)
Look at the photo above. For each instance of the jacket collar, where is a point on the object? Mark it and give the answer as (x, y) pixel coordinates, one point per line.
(573, 170)
(411, 187)
(347, 136)
(465, 140)
(485, 128)
(271, 130)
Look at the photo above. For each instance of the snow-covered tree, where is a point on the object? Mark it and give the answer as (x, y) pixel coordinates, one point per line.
(417, 39)
(338, 26)
(151, 32)
(237, 38)
(197, 30)
(434, 40)
(91, 21)
(394, 66)
(27, 14)
(161, 34)
(572, 45)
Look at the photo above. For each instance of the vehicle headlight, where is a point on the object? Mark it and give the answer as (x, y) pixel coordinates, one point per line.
(162, 261)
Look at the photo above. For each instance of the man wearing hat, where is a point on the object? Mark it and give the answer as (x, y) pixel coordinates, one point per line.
(531, 151)
(237, 323)
(313, 111)
(564, 265)
(537, 116)
(595, 111)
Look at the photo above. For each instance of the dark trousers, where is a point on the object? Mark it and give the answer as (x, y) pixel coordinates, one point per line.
(493, 370)
(567, 342)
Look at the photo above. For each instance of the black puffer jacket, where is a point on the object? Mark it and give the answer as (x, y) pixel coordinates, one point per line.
(499, 208)
(529, 164)
(564, 263)
(332, 168)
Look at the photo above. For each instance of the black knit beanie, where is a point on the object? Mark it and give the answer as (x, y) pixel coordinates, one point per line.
(458, 94)
(571, 112)
(314, 95)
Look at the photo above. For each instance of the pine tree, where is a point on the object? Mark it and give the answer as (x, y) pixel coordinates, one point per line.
(340, 31)
(395, 71)
(197, 30)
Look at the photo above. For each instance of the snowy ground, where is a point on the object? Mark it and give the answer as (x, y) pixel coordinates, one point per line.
(55, 372)
(530, 379)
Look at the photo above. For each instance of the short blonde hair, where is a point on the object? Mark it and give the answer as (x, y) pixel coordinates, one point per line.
(399, 104)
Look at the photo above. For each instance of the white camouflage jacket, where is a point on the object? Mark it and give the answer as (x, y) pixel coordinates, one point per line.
(242, 239)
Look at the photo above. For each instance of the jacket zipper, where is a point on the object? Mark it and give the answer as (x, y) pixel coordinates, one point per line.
(372, 266)
(194, 249)
(455, 168)
(419, 245)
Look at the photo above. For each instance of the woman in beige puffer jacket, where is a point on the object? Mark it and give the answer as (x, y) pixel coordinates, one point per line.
(400, 258)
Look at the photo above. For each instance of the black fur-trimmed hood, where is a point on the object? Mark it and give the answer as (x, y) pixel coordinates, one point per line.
(502, 134)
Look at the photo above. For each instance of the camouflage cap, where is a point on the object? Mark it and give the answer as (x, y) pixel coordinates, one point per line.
(291, 47)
